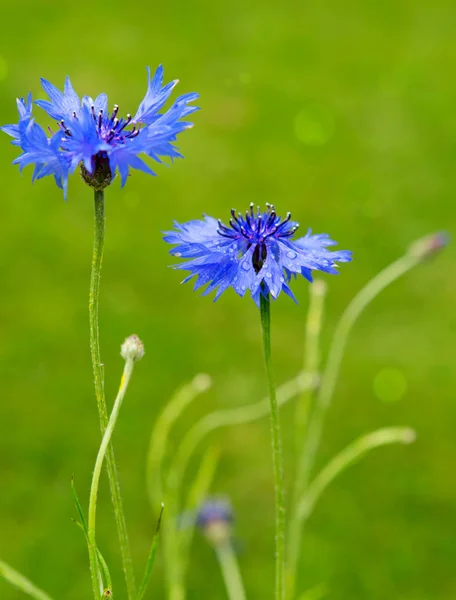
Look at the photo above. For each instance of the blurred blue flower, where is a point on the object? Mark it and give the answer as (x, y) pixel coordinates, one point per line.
(97, 140)
(215, 519)
(214, 510)
(255, 252)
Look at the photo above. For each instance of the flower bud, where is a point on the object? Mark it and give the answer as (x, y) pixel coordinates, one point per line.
(202, 382)
(429, 245)
(132, 348)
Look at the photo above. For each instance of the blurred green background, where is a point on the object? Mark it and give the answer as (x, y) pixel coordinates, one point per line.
(344, 114)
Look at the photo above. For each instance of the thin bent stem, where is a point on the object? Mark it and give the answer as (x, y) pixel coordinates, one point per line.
(158, 480)
(91, 537)
(317, 293)
(230, 417)
(344, 327)
(230, 571)
(349, 455)
(324, 395)
(97, 367)
(276, 450)
(21, 582)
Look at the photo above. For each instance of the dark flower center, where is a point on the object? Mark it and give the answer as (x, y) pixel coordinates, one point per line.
(256, 228)
(109, 128)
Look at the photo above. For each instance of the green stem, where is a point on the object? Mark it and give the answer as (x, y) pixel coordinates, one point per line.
(97, 367)
(276, 450)
(230, 417)
(336, 351)
(21, 582)
(230, 571)
(158, 480)
(129, 363)
(324, 395)
(317, 293)
(349, 455)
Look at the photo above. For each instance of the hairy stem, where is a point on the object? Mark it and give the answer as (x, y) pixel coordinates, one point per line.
(276, 450)
(97, 367)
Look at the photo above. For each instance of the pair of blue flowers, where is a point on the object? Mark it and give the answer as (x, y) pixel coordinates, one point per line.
(255, 252)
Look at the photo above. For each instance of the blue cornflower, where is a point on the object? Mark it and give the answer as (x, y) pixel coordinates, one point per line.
(215, 519)
(214, 510)
(99, 141)
(255, 252)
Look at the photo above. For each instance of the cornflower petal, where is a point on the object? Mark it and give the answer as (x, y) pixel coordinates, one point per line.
(102, 143)
(155, 97)
(253, 253)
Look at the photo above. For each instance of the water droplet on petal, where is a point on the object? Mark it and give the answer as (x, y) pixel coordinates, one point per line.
(246, 266)
(243, 288)
(291, 254)
(269, 275)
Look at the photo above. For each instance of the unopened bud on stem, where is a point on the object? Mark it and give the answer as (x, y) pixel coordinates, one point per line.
(429, 245)
(132, 348)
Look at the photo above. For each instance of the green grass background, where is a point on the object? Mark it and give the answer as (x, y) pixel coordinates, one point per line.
(344, 114)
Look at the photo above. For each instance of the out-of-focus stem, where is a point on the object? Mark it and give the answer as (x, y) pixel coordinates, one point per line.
(317, 293)
(328, 382)
(230, 571)
(336, 351)
(311, 365)
(21, 582)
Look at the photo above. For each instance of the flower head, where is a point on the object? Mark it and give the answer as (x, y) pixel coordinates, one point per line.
(254, 252)
(100, 141)
(215, 519)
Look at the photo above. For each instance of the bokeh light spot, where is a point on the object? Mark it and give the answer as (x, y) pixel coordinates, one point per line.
(389, 385)
(314, 124)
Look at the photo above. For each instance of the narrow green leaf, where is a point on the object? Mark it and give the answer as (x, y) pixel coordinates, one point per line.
(151, 559)
(104, 571)
(105, 574)
(78, 506)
